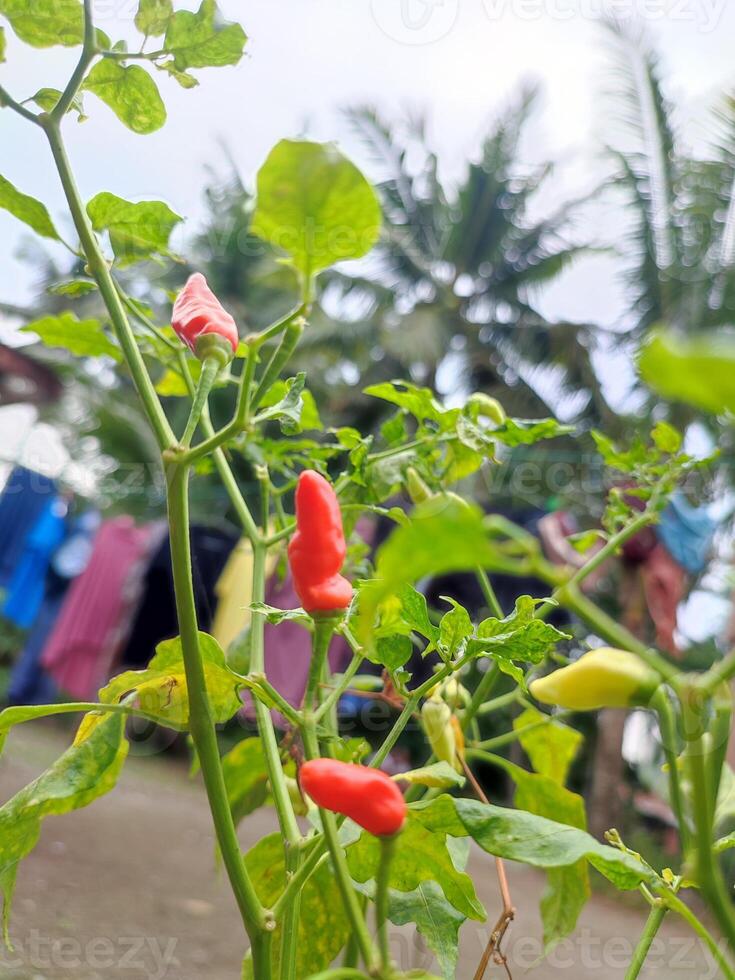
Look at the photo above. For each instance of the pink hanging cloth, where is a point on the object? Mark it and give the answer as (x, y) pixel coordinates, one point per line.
(98, 609)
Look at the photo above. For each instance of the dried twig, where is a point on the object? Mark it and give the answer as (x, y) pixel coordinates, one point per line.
(492, 950)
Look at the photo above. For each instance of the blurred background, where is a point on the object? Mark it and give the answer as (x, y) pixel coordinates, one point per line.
(554, 184)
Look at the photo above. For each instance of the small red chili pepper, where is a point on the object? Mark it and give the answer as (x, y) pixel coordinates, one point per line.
(367, 796)
(199, 314)
(317, 550)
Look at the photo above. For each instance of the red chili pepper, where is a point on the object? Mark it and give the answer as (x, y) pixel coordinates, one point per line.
(198, 313)
(367, 796)
(317, 550)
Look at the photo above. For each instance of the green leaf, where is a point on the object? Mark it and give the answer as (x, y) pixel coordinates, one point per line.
(45, 23)
(137, 231)
(83, 338)
(421, 856)
(184, 79)
(666, 438)
(696, 370)
(550, 745)
(246, 777)
(323, 928)
(153, 17)
(87, 770)
(525, 432)
(518, 636)
(315, 205)
(529, 839)
(454, 629)
(568, 888)
(74, 287)
(130, 92)
(276, 616)
(47, 99)
(439, 775)
(419, 402)
(310, 419)
(172, 385)
(391, 651)
(289, 409)
(197, 40)
(27, 209)
(3, 45)
(161, 689)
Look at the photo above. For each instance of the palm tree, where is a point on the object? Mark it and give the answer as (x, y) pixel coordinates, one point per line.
(453, 280)
(681, 246)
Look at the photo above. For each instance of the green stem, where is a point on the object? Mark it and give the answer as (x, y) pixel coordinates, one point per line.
(299, 879)
(263, 689)
(224, 470)
(322, 634)
(290, 932)
(8, 102)
(489, 592)
(281, 798)
(101, 274)
(653, 924)
(210, 369)
(709, 874)
(719, 674)
(201, 723)
(85, 59)
(682, 909)
(342, 872)
(669, 736)
(382, 880)
(508, 737)
(497, 704)
(485, 686)
(344, 682)
(615, 543)
(281, 357)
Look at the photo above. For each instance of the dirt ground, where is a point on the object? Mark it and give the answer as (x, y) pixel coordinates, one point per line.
(127, 890)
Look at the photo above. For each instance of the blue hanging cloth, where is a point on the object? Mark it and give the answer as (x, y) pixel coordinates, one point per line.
(29, 683)
(687, 533)
(25, 589)
(25, 497)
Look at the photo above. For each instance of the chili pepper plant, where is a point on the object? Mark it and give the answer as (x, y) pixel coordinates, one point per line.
(353, 850)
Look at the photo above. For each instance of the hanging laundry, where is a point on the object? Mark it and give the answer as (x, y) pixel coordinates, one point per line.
(687, 533)
(664, 584)
(29, 682)
(234, 590)
(288, 646)
(25, 496)
(95, 618)
(554, 530)
(155, 619)
(26, 586)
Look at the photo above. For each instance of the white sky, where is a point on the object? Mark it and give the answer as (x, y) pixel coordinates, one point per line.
(459, 60)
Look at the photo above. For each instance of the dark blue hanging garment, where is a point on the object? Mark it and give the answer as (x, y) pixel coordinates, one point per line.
(29, 683)
(25, 497)
(26, 586)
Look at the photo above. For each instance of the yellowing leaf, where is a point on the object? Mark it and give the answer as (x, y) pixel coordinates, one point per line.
(130, 92)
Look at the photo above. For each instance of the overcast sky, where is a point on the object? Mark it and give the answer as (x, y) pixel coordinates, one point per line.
(458, 60)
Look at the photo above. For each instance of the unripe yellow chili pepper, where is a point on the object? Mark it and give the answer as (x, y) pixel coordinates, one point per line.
(487, 407)
(442, 729)
(603, 678)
